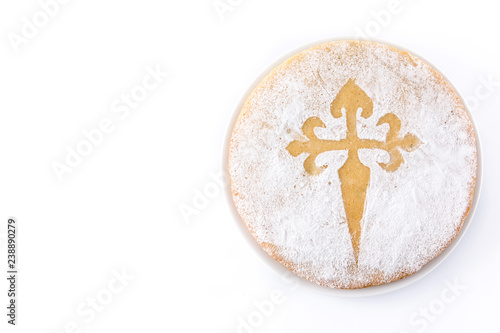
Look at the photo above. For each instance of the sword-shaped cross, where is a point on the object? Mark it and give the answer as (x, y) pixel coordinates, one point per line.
(354, 176)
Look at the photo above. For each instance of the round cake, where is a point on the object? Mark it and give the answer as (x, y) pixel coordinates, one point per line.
(353, 164)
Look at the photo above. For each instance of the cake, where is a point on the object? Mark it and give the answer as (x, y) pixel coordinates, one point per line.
(353, 164)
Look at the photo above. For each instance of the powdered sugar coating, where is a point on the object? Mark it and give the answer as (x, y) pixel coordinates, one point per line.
(410, 215)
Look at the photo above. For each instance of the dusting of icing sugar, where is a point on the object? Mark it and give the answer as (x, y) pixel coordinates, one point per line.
(410, 215)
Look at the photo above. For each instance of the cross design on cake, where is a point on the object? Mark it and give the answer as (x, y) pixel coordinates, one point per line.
(354, 176)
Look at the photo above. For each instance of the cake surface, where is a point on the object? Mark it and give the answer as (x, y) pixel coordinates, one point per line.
(353, 164)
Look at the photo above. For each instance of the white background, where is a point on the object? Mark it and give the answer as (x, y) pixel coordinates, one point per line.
(120, 208)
